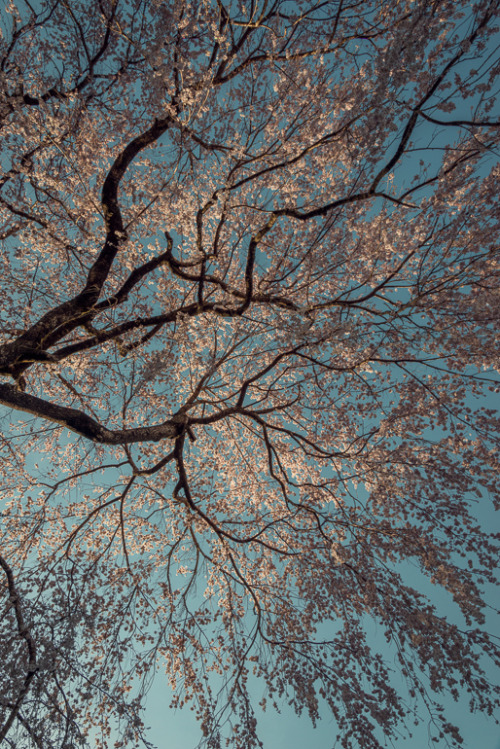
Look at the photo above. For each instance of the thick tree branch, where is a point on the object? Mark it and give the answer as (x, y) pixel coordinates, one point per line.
(79, 422)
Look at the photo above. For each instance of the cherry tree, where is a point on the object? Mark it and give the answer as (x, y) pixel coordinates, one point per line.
(250, 302)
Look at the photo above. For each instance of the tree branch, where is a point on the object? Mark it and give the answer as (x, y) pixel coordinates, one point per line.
(25, 634)
(79, 422)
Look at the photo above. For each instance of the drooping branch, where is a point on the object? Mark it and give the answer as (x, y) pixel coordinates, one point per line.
(24, 634)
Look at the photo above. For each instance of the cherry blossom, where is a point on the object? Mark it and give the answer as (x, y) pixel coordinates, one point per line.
(248, 355)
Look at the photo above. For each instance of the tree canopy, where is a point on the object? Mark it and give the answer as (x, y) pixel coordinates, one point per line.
(248, 345)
